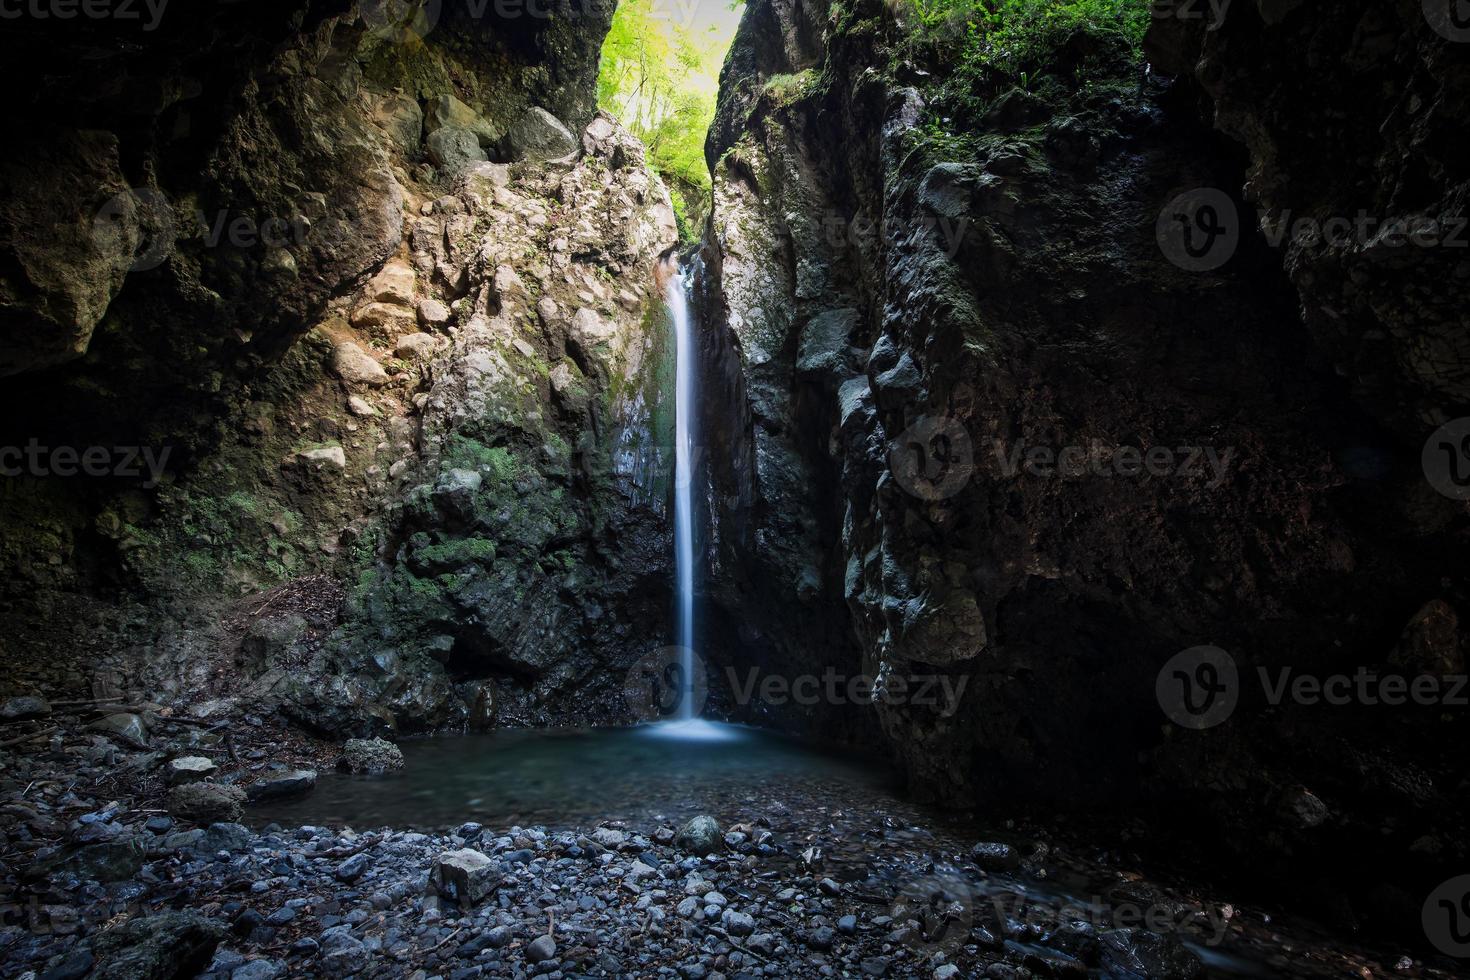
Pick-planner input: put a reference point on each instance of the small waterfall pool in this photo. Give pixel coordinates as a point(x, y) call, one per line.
point(564, 778)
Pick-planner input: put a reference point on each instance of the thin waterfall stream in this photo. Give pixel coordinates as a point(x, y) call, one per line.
point(684, 378)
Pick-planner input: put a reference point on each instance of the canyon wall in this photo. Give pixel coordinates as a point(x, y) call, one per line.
point(355, 311)
point(1003, 424)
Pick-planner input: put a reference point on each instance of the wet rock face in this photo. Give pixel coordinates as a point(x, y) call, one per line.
point(1367, 204)
point(1036, 453)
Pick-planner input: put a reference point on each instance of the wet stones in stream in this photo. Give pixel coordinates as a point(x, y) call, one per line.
point(762, 888)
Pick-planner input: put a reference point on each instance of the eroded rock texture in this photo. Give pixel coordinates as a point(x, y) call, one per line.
point(378, 384)
point(1037, 457)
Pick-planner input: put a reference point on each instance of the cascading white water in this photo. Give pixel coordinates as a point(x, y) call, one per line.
point(678, 301)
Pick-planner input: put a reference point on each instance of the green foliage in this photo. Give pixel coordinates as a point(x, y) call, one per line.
point(660, 78)
point(1015, 37)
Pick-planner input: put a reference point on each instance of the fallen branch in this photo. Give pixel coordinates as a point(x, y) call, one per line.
point(26, 738)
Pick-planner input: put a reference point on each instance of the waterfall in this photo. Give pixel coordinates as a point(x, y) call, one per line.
point(678, 301)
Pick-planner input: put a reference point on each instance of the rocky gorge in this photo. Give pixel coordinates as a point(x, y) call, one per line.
point(338, 414)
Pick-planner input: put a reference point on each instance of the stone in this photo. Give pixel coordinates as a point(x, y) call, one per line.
point(417, 346)
point(124, 727)
point(167, 944)
point(609, 838)
point(700, 836)
point(370, 755)
point(259, 970)
point(588, 331)
point(279, 785)
point(401, 118)
point(353, 365)
point(824, 344)
point(540, 949)
point(206, 802)
point(388, 319)
point(359, 406)
point(466, 876)
point(538, 136)
point(737, 923)
point(24, 708)
point(346, 956)
point(993, 856)
point(352, 869)
point(115, 860)
point(189, 769)
point(847, 925)
point(433, 313)
point(453, 149)
point(393, 284)
point(1139, 952)
point(324, 461)
point(446, 110)
point(223, 836)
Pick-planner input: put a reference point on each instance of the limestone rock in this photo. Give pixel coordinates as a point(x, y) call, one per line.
point(387, 319)
point(353, 365)
point(417, 346)
point(465, 876)
point(401, 118)
point(538, 136)
point(449, 111)
point(324, 461)
point(434, 314)
point(394, 283)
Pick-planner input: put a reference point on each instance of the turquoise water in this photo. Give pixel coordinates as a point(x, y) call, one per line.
point(575, 778)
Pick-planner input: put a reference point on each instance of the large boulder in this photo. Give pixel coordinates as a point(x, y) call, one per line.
point(448, 111)
point(154, 947)
point(401, 118)
point(370, 755)
point(453, 149)
point(538, 136)
point(207, 803)
point(355, 366)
